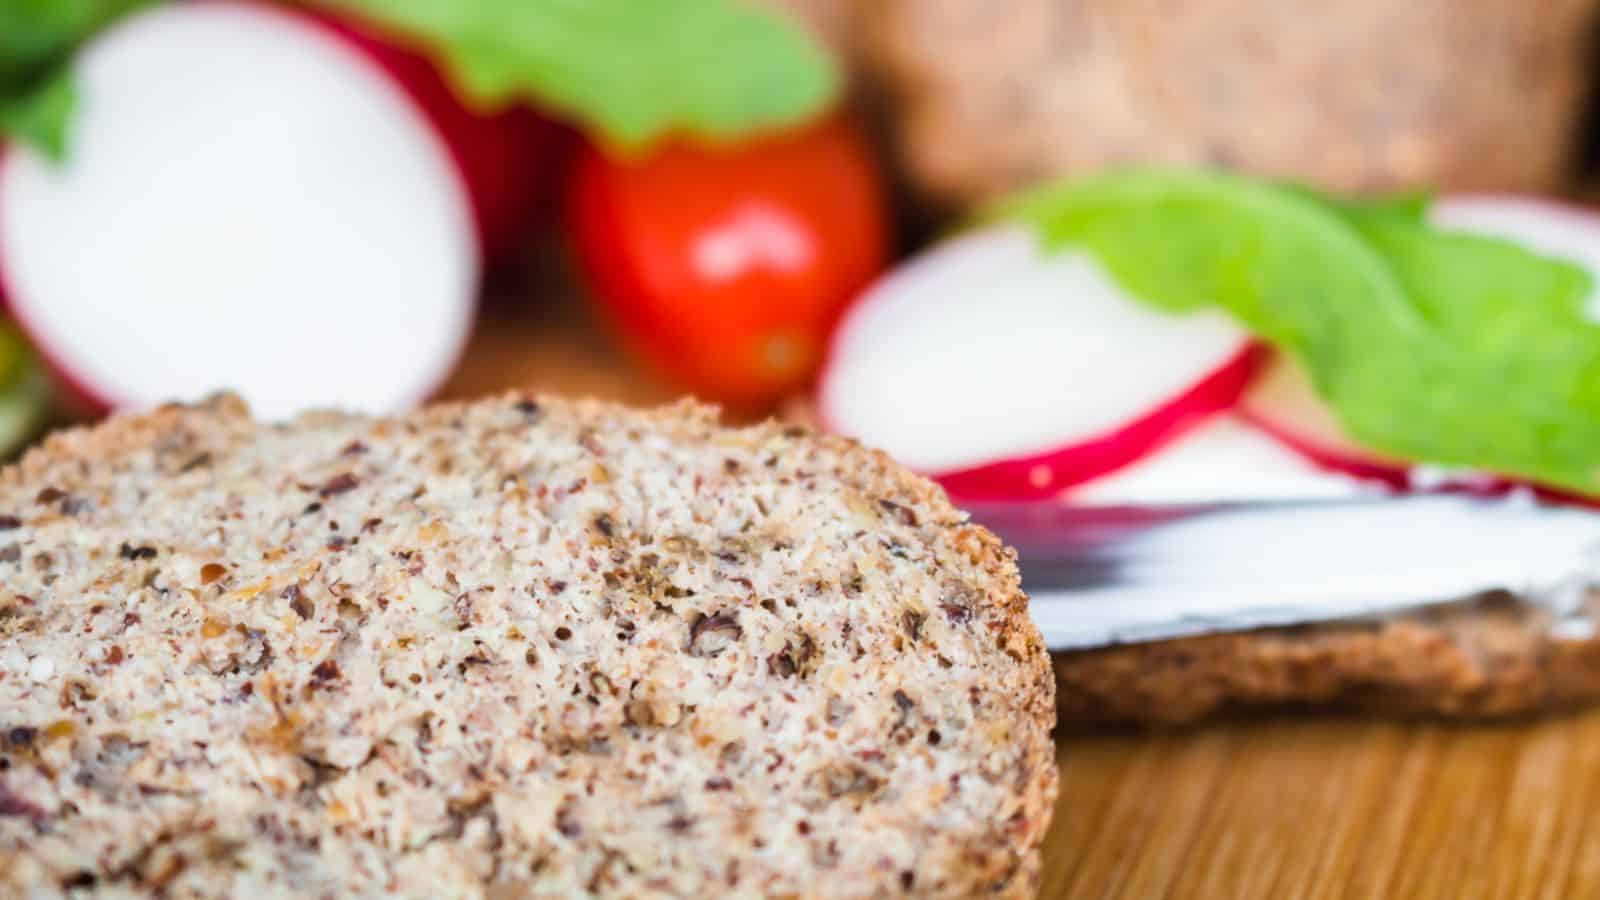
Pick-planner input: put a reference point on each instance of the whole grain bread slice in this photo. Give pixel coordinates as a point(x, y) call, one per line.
point(524, 647)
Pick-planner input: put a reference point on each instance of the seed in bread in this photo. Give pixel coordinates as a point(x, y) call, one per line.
point(525, 647)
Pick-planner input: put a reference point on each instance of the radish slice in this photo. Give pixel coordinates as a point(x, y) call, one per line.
point(1047, 473)
point(254, 200)
point(1284, 405)
point(1225, 459)
point(505, 158)
point(1012, 374)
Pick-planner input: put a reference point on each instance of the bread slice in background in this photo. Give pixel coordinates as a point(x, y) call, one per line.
point(523, 647)
point(1492, 656)
point(1486, 657)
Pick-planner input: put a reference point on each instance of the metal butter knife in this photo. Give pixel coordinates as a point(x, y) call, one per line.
point(1099, 575)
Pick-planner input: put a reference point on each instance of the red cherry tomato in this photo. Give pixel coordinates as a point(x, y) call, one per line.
point(725, 268)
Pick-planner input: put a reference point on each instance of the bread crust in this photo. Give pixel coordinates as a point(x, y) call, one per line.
point(519, 647)
point(1494, 656)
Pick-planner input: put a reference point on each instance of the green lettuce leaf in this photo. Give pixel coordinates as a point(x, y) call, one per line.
point(39, 116)
point(37, 40)
point(633, 70)
point(1433, 345)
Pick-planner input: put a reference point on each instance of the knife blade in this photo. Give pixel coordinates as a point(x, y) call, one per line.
point(1101, 575)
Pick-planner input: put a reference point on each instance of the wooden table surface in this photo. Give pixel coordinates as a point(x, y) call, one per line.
point(1299, 806)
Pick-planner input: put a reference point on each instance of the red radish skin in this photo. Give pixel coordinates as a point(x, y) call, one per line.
point(1007, 372)
point(1392, 476)
point(1283, 404)
point(1047, 474)
point(436, 189)
point(73, 396)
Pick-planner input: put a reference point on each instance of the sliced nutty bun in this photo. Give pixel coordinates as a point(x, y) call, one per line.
point(519, 648)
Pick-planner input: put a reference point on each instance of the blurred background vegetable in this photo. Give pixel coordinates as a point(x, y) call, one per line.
point(37, 41)
point(1359, 95)
point(726, 268)
point(298, 201)
point(1010, 373)
point(307, 201)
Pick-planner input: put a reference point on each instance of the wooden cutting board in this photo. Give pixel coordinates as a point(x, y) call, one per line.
point(1268, 809)
point(1330, 807)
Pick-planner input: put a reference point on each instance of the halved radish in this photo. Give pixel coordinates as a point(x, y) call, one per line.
point(1011, 373)
point(263, 200)
point(1283, 404)
point(1225, 459)
point(506, 158)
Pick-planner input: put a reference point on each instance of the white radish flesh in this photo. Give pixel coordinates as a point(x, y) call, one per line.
point(987, 352)
point(249, 203)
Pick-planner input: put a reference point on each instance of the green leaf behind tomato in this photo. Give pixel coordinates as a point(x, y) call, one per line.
point(633, 70)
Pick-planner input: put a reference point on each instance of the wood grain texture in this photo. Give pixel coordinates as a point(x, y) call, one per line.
point(1320, 807)
point(1323, 808)
point(552, 343)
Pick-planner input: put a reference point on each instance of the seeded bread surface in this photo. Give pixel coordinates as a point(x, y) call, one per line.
point(520, 648)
